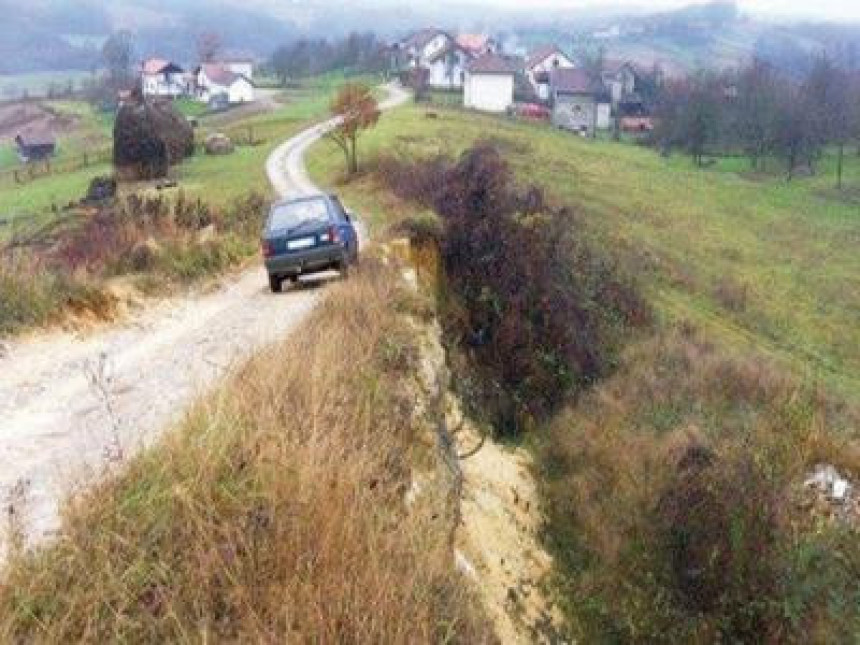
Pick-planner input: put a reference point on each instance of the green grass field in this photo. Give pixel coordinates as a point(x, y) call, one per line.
point(759, 265)
point(216, 179)
point(190, 107)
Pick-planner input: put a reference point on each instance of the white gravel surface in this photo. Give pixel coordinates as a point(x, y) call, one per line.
point(72, 405)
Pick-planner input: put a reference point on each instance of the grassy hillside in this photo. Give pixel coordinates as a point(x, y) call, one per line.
point(759, 264)
point(673, 490)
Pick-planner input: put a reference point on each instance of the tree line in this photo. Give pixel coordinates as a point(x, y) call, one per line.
point(357, 53)
point(763, 114)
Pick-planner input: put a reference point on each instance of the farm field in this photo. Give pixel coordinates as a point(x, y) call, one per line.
point(758, 264)
point(78, 126)
point(217, 179)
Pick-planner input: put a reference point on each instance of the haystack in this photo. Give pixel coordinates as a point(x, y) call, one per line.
point(149, 137)
point(218, 144)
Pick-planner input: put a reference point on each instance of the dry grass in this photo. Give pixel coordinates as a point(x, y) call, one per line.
point(64, 269)
point(274, 513)
point(671, 495)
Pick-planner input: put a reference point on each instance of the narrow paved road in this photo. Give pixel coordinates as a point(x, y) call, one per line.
point(70, 405)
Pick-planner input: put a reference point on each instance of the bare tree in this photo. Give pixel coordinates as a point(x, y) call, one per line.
point(829, 87)
point(758, 103)
point(796, 134)
point(118, 54)
point(699, 118)
point(208, 46)
point(358, 111)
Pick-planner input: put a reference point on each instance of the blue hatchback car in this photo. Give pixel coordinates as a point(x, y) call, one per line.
point(308, 235)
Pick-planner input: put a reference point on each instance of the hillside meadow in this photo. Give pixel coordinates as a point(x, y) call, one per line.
point(756, 263)
point(673, 488)
point(217, 180)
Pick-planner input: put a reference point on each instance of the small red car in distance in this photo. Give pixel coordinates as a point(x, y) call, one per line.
point(534, 111)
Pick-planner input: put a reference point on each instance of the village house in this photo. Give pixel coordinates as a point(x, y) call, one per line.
point(580, 103)
point(217, 84)
point(159, 77)
point(489, 84)
point(619, 77)
point(477, 45)
point(242, 64)
point(447, 68)
point(35, 145)
point(419, 49)
point(540, 63)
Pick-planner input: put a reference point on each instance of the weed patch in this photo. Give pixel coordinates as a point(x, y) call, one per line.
point(173, 240)
point(671, 496)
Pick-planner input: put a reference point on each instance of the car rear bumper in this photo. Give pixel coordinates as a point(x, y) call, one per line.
point(308, 261)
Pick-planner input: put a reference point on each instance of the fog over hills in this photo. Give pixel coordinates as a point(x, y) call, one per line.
point(56, 34)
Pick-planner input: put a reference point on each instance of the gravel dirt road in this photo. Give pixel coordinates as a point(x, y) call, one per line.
point(71, 405)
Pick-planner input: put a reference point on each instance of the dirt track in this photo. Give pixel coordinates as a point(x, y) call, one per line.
point(71, 405)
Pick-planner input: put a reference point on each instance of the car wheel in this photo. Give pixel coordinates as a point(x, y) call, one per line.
point(276, 284)
point(343, 269)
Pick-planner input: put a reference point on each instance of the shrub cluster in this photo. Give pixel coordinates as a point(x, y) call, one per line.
point(675, 503)
point(536, 307)
point(171, 238)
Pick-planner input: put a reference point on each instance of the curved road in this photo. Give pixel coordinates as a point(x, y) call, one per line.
point(73, 407)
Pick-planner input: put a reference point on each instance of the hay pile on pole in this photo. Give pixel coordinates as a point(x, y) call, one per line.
point(149, 137)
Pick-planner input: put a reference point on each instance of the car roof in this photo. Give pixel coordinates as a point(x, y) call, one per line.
point(303, 198)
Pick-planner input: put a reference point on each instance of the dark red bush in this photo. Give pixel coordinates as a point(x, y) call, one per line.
point(537, 309)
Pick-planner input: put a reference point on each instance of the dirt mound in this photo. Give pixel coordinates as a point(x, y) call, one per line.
point(25, 116)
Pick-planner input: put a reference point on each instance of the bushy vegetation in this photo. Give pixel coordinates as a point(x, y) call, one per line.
point(538, 310)
point(356, 53)
point(675, 503)
point(762, 113)
point(274, 512)
point(169, 239)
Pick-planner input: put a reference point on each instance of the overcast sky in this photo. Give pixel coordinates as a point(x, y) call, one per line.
point(835, 10)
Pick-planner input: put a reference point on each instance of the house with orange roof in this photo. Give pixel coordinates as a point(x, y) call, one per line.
point(160, 77)
point(477, 44)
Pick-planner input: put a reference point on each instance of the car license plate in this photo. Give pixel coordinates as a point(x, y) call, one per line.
point(303, 243)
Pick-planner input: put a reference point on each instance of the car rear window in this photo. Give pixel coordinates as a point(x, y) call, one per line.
point(292, 214)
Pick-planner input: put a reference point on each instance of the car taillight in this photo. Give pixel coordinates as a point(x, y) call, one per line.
point(333, 235)
point(267, 248)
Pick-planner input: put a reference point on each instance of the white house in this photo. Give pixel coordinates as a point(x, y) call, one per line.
point(619, 77)
point(489, 84)
point(447, 69)
point(425, 45)
point(539, 65)
point(243, 65)
point(214, 81)
point(159, 77)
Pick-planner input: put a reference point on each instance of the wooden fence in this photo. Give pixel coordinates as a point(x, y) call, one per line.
point(26, 173)
point(241, 135)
